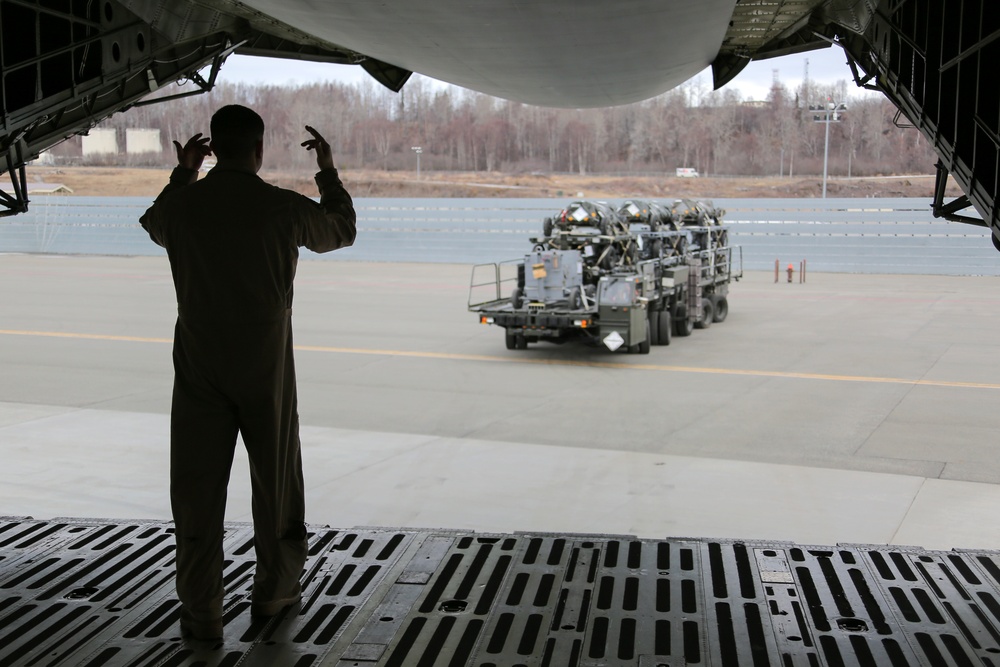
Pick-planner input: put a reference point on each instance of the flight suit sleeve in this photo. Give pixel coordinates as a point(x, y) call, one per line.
point(153, 219)
point(332, 224)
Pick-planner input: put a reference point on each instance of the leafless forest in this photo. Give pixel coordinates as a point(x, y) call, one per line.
point(716, 133)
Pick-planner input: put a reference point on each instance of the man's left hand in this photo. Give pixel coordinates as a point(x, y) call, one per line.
point(324, 156)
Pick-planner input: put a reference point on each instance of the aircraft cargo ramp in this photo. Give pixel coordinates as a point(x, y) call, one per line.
point(93, 593)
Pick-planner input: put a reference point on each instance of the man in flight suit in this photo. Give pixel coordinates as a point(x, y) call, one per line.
point(233, 243)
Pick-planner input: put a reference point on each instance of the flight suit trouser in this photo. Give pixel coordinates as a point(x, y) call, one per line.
point(230, 379)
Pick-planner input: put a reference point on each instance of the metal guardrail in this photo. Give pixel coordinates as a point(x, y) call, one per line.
point(501, 273)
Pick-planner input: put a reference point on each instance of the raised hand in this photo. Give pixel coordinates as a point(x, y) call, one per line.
point(324, 157)
point(193, 153)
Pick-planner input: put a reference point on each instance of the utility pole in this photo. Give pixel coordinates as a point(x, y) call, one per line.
point(827, 113)
point(418, 150)
point(805, 82)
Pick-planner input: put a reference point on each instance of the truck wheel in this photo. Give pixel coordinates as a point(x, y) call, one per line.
point(721, 309)
point(520, 342)
point(516, 299)
point(707, 315)
point(663, 319)
point(682, 323)
point(654, 327)
point(644, 343)
point(547, 227)
point(511, 340)
point(610, 259)
point(575, 300)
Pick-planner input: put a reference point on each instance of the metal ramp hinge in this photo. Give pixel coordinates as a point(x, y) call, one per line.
point(15, 201)
point(949, 210)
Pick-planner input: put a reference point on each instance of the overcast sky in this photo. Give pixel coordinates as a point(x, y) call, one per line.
point(826, 66)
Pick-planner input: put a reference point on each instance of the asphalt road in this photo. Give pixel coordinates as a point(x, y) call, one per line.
point(881, 374)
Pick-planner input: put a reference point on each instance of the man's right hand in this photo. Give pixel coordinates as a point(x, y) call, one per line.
point(324, 156)
point(193, 153)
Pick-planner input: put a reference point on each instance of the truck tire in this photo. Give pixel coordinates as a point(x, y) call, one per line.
point(663, 318)
point(575, 299)
point(654, 327)
point(682, 323)
point(707, 314)
point(547, 227)
point(643, 347)
point(721, 309)
point(520, 342)
point(516, 299)
point(511, 340)
point(610, 259)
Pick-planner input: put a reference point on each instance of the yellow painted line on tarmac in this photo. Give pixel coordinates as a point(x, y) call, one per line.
point(451, 356)
point(649, 367)
point(84, 336)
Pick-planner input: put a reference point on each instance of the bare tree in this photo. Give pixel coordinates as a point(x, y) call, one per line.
point(715, 132)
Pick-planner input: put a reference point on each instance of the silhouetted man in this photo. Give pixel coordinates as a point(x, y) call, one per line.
point(233, 242)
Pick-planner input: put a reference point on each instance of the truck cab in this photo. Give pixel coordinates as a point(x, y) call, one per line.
point(621, 310)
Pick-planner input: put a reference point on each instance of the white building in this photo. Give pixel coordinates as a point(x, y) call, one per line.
point(100, 142)
point(142, 141)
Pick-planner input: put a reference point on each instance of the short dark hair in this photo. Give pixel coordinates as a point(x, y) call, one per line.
point(235, 131)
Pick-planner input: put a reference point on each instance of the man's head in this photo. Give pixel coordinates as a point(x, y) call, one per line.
point(237, 135)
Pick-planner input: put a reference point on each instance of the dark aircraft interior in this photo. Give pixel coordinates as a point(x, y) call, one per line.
point(95, 589)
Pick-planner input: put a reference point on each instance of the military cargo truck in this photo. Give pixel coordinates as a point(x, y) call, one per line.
point(625, 279)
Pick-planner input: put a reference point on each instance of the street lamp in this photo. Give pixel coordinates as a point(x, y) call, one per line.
point(418, 150)
point(828, 113)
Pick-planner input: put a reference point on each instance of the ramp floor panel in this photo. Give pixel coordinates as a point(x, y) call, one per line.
point(100, 593)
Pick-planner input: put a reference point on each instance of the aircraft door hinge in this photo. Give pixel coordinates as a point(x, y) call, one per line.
point(949, 210)
point(16, 200)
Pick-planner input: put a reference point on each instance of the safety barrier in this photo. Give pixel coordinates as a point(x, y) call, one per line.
point(838, 235)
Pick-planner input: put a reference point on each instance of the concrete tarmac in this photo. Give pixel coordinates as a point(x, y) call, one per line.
point(851, 408)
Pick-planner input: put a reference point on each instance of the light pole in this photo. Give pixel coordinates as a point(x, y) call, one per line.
point(828, 113)
point(418, 150)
